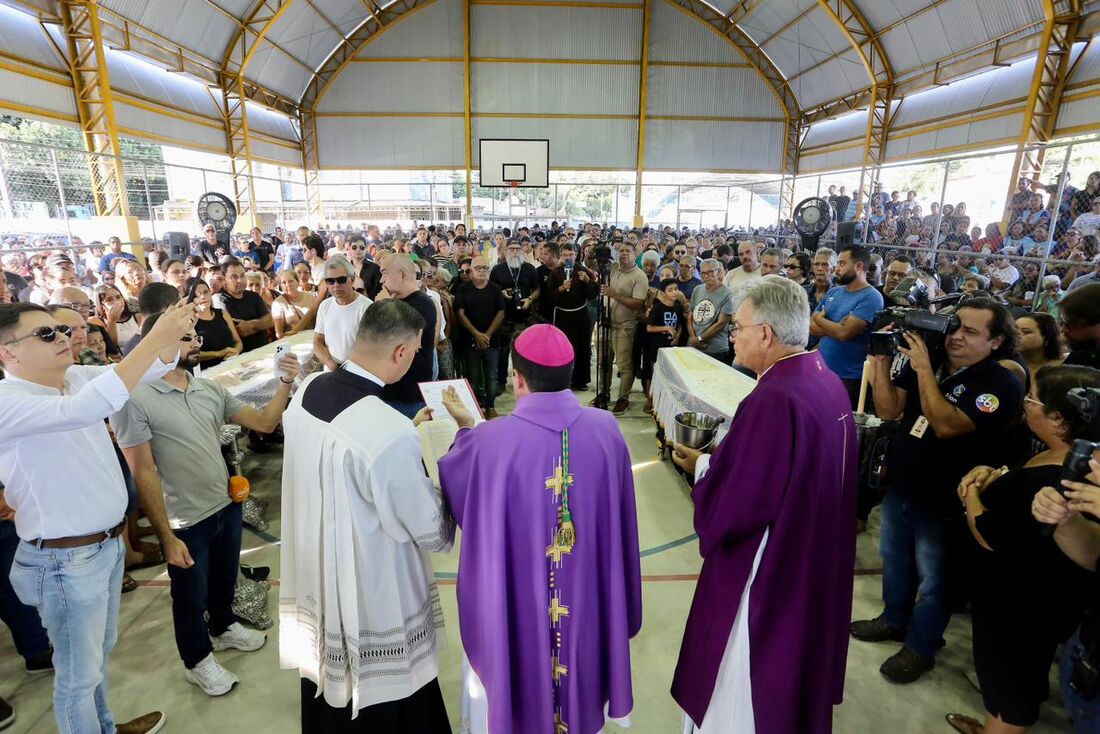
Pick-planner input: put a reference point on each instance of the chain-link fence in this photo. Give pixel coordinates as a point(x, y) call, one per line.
point(46, 191)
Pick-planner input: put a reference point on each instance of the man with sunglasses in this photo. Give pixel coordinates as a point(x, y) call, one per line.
point(63, 481)
point(338, 317)
point(169, 434)
point(369, 272)
point(209, 249)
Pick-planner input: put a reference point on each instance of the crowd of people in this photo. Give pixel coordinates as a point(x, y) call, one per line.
point(104, 348)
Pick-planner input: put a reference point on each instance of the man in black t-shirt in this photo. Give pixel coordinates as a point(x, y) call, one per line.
point(951, 418)
point(250, 314)
point(479, 310)
point(1081, 325)
point(399, 281)
point(551, 259)
point(520, 285)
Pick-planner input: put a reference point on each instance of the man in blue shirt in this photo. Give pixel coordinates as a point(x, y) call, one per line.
point(844, 317)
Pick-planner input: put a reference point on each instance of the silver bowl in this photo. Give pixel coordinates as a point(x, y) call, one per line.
point(696, 430)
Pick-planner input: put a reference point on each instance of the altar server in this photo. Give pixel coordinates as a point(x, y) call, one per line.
point(359, 614)
point(549, 583)
point(774, 516)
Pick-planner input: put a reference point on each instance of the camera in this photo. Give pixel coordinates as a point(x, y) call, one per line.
point(910, 313)
point(602, 255)
point(1075, 467)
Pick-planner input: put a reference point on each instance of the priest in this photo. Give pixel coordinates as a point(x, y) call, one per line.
point(359, 614)
point(773, 511)
point(549, 579)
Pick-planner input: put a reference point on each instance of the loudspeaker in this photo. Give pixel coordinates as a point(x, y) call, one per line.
point(845, 235)
point(179, 244)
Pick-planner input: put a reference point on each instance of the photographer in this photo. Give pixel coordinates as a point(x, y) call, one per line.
point(1026, 595)
point(1079, 539)
point(519, 281)
point(951, 417)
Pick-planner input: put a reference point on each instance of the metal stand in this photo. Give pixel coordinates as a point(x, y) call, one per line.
point(603, 343)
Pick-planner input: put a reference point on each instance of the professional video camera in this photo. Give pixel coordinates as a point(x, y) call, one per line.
point(910, 311)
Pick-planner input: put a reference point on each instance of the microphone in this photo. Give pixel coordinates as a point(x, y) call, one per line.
point(568, 272)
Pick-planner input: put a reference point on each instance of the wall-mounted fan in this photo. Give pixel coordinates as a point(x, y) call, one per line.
point(218, 210)
point(811, 218)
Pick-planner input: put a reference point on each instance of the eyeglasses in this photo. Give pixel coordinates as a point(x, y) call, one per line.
point(197, 339)
point(481, 268)
point(737, 327)
point(463, 270)
point(79, 307)
point(1033, 401)
point(338, 280)
point(356, 247)
point(793, 266)
point(45, 333)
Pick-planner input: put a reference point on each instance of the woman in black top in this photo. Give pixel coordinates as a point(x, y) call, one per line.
point(213, 325)
point(1027, 596)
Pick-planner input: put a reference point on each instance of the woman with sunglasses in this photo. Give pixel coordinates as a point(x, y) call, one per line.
point(369, 278)
point(213, 326)
point(290, 307)
point(113, 313)
point(798, 268)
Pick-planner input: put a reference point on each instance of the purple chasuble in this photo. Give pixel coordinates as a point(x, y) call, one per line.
point(789, 464)
point(520, 606)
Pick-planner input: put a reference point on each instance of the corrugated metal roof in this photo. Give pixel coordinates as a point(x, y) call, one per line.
point(278, 72)
point(22, 36)
point(185, 132)
point(592, 32)
point(680, 38)
point(191, 23)
point(552, 88)
point(982, 90)
point(1088, 68)
point(846, 127)
point(397, 87)
point(573, 143)
point(346, 14)
point(346, 142)
point(680, 145)
point(131, 74)
point(768, 17)
point(305, 34)
point(823, 82)
point(674, 90)
point(45, 96)
point(428, 34)
point(264, 120)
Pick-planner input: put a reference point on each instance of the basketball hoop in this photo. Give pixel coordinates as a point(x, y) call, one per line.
point(513, 184)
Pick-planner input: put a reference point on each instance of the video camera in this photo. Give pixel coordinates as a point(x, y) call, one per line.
point(910, 312)
point(1075, 467)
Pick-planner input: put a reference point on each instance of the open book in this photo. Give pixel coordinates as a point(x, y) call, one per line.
point(437, 435)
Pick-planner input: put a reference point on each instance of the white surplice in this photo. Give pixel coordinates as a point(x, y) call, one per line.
point(359, 612)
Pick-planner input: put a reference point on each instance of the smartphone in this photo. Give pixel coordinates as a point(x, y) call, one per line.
point(280, 350)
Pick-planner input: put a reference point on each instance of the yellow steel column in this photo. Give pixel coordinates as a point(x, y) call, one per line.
point(1061, 21)
point(311, 164)
point(469, 219)
point(95, 105)
point(240, 150)
point(647, 14)
point(792, 140)
point(874, 143)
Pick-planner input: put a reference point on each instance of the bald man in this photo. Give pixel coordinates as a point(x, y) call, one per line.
point(399, 281)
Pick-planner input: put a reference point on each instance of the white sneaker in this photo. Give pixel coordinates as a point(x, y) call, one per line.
point(239, 637)
point(211, 677)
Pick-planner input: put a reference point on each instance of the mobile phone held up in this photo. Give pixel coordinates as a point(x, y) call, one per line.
point(280, 350)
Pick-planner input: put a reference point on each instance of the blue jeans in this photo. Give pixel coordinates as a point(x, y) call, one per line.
point(1084, 713)
point(481, 366)
point(76, 592)
point(215, 547)
point(24, 622)
point(915, 573)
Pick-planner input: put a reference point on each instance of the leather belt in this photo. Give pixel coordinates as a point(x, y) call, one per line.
point(78, 540)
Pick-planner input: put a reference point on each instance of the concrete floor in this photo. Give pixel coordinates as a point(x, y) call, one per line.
point(146, 673)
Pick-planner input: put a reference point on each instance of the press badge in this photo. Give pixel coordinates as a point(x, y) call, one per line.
point(919, 427)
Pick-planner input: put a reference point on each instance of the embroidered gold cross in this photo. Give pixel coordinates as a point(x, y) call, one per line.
point(557, 610)
point(558, 668)
point(560, 726)
point(555, 551)
point(558, 481)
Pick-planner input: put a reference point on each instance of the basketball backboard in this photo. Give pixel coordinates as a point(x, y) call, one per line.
point(519, 163)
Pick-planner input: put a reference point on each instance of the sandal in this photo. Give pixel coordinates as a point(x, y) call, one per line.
point(154, 557)
point(128, 583)
point(964, 724)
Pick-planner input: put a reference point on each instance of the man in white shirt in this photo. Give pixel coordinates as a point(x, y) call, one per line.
point(359, 615)
point(64, 482)
point(1002, 275)
point(1089, 222)
point(338, 317)
point(750, 266)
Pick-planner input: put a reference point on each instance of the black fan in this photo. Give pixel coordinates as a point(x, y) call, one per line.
point(811, 218)
point(218, 210)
